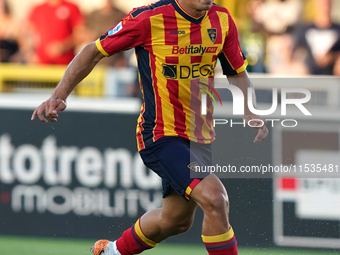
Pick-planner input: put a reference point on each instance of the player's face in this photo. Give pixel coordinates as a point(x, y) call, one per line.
point(196, 7)
point(202, 5)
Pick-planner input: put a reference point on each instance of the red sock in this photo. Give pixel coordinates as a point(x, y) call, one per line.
point(133, 241)
point(224, 244)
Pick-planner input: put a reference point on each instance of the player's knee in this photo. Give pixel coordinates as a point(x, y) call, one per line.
point(215, 201)
point(183, 227)
point(178, 226)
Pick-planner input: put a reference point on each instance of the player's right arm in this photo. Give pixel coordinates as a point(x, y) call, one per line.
point(76, 71)
point(128, 33)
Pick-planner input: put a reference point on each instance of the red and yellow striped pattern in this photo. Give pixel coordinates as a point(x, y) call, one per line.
point(174, 51)
point(141, 237)
point(191, 187)
point(221, 244)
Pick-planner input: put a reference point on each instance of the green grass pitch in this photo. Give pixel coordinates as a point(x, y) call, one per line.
point(10, 245)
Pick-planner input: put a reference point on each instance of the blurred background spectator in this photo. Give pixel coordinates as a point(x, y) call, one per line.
point(9, 34)
point(56, 26)
point(280, 57)
point(121, 81)
point(292, 37)
point(275, 16)
point(274, 20)
point(99, 22)
point(320, 40)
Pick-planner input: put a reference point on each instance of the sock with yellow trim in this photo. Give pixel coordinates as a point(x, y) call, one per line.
point(133, 241)
point(224, 244)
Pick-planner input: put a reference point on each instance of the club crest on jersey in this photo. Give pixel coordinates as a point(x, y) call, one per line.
point(116, 29)
point(212, 32)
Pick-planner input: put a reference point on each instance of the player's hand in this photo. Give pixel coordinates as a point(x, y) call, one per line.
point(51, 107)
point(259, 125)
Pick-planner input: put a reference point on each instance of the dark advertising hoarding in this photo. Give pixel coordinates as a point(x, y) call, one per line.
point(69, 178)
point(82, 177)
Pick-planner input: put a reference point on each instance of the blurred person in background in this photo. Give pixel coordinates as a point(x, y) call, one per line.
point(280, 58)
point(320, 40)
point(9, 34)
point(100, 21)
point(271, 22)
point(55, 26)
point(275, 16)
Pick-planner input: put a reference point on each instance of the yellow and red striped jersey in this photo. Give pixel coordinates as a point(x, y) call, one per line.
point(175, 50)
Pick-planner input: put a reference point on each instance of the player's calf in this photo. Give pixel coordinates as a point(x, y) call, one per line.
point(217, 234)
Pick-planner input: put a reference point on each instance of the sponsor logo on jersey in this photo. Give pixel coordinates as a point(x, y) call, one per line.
point(116, 29)
point(212, 32)
point(193, 50)
point(177, 32)
point(170, 71)
point(187, 71)
point(211, 50)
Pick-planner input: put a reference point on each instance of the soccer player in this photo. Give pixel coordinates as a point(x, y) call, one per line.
point(176, 42)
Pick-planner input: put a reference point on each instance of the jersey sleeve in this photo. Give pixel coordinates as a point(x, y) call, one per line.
point(128, 33)
point(232, 58)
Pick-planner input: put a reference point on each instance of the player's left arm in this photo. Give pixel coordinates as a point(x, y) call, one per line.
point(242, 81)
point(234, 65)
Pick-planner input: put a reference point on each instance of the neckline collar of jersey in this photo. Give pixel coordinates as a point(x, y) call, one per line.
point(186, 15)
